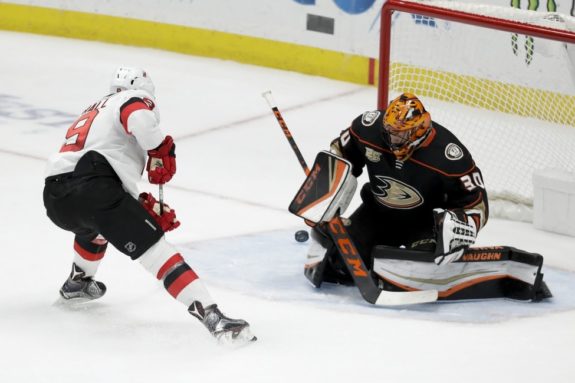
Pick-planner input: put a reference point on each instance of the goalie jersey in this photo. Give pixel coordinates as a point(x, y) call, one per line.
point(439, 174)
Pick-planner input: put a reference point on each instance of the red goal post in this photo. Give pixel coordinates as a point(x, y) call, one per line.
point(512, 104)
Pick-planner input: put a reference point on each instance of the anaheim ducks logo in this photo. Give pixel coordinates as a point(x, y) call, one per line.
point(396, 194)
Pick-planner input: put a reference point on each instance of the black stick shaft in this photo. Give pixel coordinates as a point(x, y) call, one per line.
point(161, 192)
point(268, 96)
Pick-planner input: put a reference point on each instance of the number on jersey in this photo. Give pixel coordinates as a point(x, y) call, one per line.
point(471, 182)
point(78, 132)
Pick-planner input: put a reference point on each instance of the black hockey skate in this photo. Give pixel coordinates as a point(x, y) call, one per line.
point(224, 329)
point(79, 288)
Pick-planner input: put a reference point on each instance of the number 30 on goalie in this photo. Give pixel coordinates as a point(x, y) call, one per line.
point(472, 181)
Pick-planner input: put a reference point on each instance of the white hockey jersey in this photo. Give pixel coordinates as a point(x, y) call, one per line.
point(122, 127)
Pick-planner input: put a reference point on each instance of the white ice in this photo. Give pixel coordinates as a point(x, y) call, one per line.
point(236, 177)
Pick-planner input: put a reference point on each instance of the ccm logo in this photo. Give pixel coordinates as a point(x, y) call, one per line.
point(347, 249)
point(309, 182)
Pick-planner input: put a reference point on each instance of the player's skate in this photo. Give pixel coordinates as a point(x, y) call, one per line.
point(224, 329)
point(79, 288)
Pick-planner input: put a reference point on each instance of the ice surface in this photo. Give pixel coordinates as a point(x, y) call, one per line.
point(236, 176)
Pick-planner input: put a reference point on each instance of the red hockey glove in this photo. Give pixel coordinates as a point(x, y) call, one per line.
point(167, 220)
point(161, 164)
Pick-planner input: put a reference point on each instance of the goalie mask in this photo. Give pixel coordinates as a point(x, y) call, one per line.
point(131, 78)
point(406, 125)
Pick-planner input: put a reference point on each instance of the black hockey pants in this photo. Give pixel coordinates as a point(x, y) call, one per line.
point(91, 201)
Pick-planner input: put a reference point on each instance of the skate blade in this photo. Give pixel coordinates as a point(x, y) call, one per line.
point(233, 338)
point(73, 303)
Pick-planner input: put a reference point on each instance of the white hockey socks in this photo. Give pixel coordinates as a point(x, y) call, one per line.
point(164, 262)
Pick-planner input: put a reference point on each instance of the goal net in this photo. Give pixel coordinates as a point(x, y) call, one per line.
point(502, 79)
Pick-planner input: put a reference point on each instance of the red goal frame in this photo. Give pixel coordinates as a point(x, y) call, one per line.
point(391, 6)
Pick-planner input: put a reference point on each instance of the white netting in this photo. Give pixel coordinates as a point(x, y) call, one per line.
point(552, 20)
point(509, 97)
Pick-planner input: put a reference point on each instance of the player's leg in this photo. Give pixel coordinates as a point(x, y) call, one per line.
point(62, 207)
point(131, 229)
point(324, 264)
point(88, 253)
point(321, 256)
point(164, 262)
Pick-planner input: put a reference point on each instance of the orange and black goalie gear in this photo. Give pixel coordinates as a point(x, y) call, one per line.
point(406, 114)
point(326, 191)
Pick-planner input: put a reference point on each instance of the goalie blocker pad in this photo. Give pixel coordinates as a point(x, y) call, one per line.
point(327, 190)
point(482, 272)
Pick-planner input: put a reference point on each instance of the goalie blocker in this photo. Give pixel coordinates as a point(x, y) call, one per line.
point(402, 276)
point(327, 191)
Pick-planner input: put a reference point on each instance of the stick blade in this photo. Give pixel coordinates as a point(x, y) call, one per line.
point(267, 95)
point(400, 298)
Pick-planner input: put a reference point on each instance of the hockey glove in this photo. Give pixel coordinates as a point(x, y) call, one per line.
point(455, 232)
point(161, 164)
point(167, 220)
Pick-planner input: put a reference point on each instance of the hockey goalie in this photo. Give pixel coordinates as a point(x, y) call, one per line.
point(410, 239)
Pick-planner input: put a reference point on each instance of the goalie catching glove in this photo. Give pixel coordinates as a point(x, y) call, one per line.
point(455, 231)
point(167, 219)
point(161, 164)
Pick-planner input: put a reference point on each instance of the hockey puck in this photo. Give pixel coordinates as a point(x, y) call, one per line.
point(301, 236)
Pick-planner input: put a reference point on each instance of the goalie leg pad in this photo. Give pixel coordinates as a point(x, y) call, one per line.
point(486, 272)
point(316, 257)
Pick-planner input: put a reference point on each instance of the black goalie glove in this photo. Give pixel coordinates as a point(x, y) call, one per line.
point(455, 231)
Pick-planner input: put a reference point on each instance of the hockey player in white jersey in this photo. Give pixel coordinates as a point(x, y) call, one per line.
point(91, 190)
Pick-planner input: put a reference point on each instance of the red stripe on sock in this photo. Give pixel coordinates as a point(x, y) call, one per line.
point(88, 255)
point(174, 259)
point(183, 280)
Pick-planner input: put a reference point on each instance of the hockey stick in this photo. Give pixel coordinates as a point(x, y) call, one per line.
point(161, 198)
point(347, 250)
point(268, 96)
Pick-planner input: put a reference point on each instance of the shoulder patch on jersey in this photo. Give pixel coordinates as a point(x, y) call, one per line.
point(453, 152)
point(372, 155)
point(396, 194)
point(369, 118)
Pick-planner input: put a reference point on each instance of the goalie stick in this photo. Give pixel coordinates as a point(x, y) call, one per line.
point(346, 248)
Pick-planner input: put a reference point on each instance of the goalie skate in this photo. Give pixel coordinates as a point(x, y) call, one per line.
point(224, 329)
point(79, 288)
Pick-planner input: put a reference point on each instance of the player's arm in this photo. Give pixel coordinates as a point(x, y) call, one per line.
point(139, 117)
point(346, 147)
point(470, 197)
point(466, 211)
